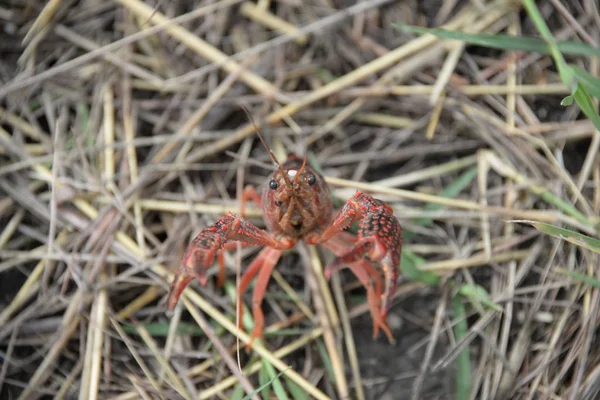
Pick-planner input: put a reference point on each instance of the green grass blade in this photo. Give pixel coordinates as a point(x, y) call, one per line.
point(297, 392)
point(450, 191)
point(463, 361)
point(325, 75)
point(588, 280)
point(231, 290)
point(570, 236)
point(326, 360)
point(410, 261)
point(477, 295)
point(585, 103)
point(264, 380)
point(238, 393)
point(83, 114)
point(262, 387)
point(590, 82)
point(311, 159)
point(410, 268)
point(562, 205)
point(506, 42)
point(538, 19)
point(278, 388)
point(569, 75)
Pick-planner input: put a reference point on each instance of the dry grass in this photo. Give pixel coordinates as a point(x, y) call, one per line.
point(121, 135)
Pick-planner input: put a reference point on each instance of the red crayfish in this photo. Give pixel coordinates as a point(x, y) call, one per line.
point(297, 205)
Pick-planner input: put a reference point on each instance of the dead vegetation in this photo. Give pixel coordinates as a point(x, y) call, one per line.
point(121, 135)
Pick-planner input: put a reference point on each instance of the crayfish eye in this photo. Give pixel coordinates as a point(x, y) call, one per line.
point(312, 180)
point(273, 184)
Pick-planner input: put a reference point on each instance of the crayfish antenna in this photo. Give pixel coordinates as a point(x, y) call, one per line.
point(264, 143)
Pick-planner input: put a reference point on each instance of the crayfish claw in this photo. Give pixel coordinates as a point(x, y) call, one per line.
point(179, 283)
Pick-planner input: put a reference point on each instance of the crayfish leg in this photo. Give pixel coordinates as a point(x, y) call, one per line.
point(262, 265)
point(260, 289)
point(372, 281)
point(250, 273)
point(249, 194)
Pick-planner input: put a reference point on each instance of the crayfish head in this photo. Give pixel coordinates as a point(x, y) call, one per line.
point(296, 200)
